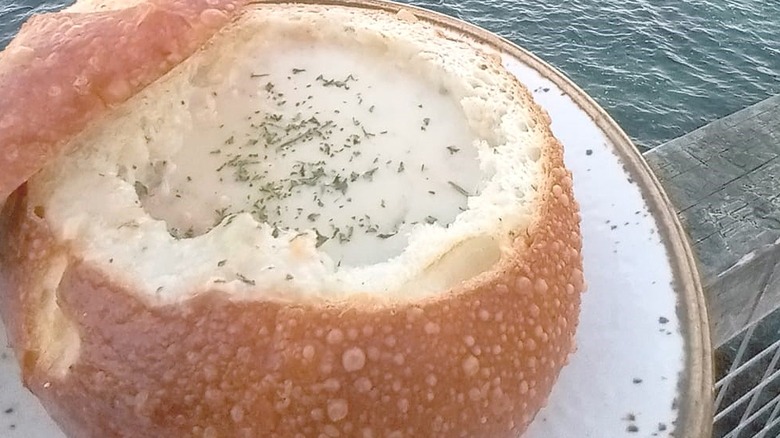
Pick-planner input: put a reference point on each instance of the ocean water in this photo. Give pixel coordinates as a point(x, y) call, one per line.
point(661, 68)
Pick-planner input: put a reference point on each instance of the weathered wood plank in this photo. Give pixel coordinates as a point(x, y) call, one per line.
point(724, 179)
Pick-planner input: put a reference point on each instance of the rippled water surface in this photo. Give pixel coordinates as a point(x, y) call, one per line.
point(660, 67)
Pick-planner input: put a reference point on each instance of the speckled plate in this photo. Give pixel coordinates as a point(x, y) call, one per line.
point(643, 364)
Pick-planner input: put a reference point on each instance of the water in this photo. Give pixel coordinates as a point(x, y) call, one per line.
point(661, 68)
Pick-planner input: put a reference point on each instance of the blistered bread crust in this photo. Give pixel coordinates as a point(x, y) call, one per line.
point(478, 360)
point(475, 361)
point(50, 51)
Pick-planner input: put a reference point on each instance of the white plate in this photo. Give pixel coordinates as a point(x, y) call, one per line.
point(625, 376)
point(642, 368)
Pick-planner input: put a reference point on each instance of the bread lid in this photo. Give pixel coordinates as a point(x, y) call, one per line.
point(67, 69)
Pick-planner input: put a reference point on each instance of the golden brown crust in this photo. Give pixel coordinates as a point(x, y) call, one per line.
point(477, 362)
point(83, 64)
point(30, 251)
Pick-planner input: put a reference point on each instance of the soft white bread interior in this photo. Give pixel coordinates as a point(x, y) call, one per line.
point(433, 154)
point(326, 221)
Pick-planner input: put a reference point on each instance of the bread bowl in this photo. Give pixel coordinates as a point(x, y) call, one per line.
point(141, 306)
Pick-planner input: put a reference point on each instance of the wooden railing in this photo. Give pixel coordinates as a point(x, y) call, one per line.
point(724, 180)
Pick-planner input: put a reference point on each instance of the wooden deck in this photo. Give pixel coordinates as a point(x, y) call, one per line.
point(724, 180)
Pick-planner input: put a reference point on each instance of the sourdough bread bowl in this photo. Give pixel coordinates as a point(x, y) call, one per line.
point(280, 220)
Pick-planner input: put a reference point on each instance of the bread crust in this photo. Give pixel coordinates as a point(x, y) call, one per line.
point(477, 360)
point(84, 64)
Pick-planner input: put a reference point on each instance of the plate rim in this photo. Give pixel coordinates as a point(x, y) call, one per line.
point(695, 406)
